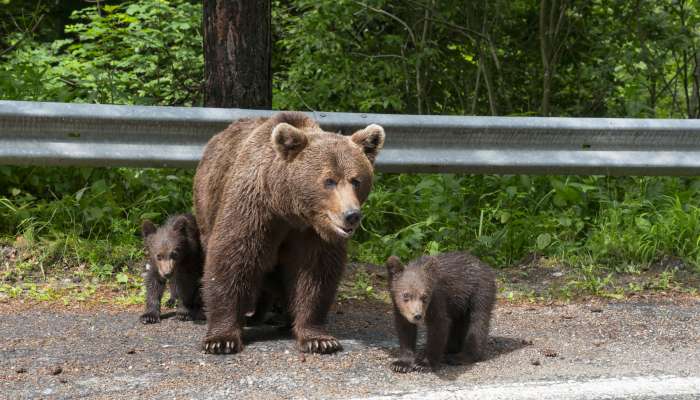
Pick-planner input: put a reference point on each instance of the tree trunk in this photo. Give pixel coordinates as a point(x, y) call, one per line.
point(237, 54)
point(695, 99)
point(553, 29)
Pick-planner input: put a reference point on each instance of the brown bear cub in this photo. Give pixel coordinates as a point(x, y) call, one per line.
point(175, 255)
point(453, 294)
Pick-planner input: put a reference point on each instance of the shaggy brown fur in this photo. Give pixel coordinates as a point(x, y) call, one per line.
point(453, 293)
point(279, 194)
point(176, 255)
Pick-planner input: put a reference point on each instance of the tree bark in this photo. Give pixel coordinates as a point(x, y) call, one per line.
point(545, 50)
point(237, 54)
point(553, 29)
point(695, 99)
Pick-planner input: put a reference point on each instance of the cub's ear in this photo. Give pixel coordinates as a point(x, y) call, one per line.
point(431, 264)
point(288, 141)
point(394, 266)
point(180, 224)
point(371, 139)
point(147, 229)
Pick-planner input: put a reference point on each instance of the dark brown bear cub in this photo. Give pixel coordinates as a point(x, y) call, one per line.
point(453, 294)
point(175, 254)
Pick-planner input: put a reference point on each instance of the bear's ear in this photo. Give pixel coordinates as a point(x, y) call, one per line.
point(147, 229)
point(394, 266)
point(288, 141)
point(371, 139)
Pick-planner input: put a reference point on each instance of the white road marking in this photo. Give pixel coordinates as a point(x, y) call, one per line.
point(604, 388)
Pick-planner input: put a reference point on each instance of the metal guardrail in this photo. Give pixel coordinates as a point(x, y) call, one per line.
point(35, 133)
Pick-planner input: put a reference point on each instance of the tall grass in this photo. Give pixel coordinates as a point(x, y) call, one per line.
point(91, 216)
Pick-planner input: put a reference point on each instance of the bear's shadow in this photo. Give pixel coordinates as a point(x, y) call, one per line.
point(375, 329)
point(497, 346)
point(173, 314)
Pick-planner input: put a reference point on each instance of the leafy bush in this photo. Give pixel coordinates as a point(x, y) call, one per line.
point(139, 52)
point(607, 221)
point(360, 56)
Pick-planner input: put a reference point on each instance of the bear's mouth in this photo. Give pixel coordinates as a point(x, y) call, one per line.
point(343, 232)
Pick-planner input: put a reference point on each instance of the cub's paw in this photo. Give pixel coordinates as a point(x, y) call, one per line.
point(320, 344)
point(402, 366)
point(150, 318)
point(223, 344)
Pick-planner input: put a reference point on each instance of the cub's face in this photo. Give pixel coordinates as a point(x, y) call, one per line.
point(332, 175)
point(411, 289)
point(164, 255)
point(164, 247)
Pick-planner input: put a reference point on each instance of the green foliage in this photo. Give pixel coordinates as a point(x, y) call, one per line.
point(89, 216)
point(89, 202)
point(617, 59)
point(609, 222)
point(328, 59)
point(138, 52)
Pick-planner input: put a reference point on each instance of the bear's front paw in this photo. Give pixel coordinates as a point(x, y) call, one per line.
point(223, 344)
point(150, 318)
point(402, 366)
point(320, 344)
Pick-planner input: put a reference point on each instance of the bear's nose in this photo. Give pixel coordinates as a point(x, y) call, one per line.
point(352, 217)
point(417, 317)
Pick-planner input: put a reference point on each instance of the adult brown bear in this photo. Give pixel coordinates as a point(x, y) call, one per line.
point(279, 196)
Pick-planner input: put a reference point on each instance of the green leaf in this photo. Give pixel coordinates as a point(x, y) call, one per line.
point(543, 240)
point(122, 278)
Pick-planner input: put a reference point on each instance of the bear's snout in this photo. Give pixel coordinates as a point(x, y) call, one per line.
point(352, 217)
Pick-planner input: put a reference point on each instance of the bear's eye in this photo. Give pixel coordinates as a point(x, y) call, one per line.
point(355, 183)
point(406, 297)
point(329, 183)
point(173, 254)
point(159, 257)
point(424, 298)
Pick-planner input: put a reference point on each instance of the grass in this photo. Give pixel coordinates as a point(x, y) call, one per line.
point(601, 232)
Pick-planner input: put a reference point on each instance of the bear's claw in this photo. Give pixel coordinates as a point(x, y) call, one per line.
point(402, 366)
point(422, 366)
point(184, 315)
point(324, 345)
point(223, 346)
point(150, 318)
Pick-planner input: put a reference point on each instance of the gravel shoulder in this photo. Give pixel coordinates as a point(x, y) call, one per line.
point(103, 351)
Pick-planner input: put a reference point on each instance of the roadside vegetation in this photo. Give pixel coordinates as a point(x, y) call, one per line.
point(582, 235)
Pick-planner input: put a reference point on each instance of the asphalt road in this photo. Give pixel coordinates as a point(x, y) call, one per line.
point(633, 350)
